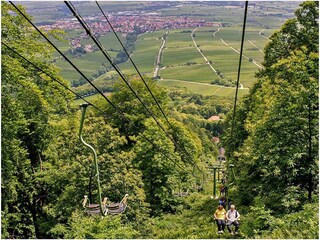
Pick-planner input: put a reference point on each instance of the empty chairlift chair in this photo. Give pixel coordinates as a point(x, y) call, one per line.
point(110, 208)
point(102, 207)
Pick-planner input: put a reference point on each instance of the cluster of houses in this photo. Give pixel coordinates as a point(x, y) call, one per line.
point(126, 23)
point(76, 43)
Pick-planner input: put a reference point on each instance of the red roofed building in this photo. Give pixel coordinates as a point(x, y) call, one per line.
point(214, 118)
point(216, 139)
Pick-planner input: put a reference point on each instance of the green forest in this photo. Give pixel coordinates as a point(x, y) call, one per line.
point(273, 146)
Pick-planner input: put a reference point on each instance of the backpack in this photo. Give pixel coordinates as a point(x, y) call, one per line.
point(236, 213)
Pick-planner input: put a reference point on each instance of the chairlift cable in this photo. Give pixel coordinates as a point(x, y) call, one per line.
point(77, 69)
point(48, 74)
point(57, 49)
point(97, 42)
point(69, 89)
point(236, 96)
point(108, 57)
point(239, 70)
point(134, 65)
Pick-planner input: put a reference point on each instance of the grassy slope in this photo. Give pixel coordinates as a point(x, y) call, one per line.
point(194, 220)
point(88, 63)
point(180, 49)
point(202, 89)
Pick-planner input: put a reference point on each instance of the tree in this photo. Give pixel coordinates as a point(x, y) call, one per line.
point(128, 103)
point(296, 33)
point(30, 100)
point(156, 167)
point(153, 162)
point(275, 141)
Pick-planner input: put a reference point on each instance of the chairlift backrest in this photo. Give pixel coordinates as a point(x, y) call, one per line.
point(221, 151)
point(221, 158)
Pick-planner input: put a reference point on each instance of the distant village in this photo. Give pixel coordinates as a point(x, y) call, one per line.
point(129, 22)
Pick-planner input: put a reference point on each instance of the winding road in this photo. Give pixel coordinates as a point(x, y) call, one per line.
point(158, 61)
point(260, 33)
point(204, 57)
point(253, 61)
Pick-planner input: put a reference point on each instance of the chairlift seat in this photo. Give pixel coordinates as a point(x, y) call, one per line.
point(112, 208)
point(94, 209)
point(116, 208)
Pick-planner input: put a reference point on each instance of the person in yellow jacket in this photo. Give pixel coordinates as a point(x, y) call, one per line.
point(220, 217)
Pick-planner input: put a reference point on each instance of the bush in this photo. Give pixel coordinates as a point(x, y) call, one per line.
point(256, 221)
point(85, 227)
point(260, 223)
point(194, 220)
point(302, 225)
point(191, 63)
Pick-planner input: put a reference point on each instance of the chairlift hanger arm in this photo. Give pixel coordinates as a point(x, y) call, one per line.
point(84, 108)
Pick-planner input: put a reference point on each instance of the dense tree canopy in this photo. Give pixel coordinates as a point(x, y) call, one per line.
point(46, 170)
point(275, 145)
point(28, 106)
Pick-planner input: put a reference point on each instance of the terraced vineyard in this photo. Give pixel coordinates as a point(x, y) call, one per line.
point(203, 60)
point(182, 65)
point(90, 62)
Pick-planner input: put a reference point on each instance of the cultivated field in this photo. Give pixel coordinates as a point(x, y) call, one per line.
point(200, 88)
point(186, 63)
point(220, 46)
point(181, 59)
point(88, 63)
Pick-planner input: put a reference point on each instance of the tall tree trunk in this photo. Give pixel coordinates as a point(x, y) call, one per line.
point(34, 217)
point(310, 183)
point(310, 187)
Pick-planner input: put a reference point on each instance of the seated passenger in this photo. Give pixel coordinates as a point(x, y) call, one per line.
point(233, 218)
point(220, 216)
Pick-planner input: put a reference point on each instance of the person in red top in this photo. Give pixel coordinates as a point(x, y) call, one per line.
point(220, 217)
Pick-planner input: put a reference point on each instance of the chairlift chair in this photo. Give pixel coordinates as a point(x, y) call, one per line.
point(102, 207)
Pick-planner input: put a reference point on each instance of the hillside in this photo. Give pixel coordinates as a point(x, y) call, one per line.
point(181, 58)
point(153, 157)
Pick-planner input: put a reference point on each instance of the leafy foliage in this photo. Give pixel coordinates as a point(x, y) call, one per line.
point(46, 171)
point(275, 145)
point(28, 106)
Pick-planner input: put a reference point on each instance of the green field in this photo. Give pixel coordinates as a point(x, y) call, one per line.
point(180, 50)
point(89, 98)
point(144, 56)
point(180, 58)
point(181, 63)
point(88, 63)
point(202, 88)
point(194, 73)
